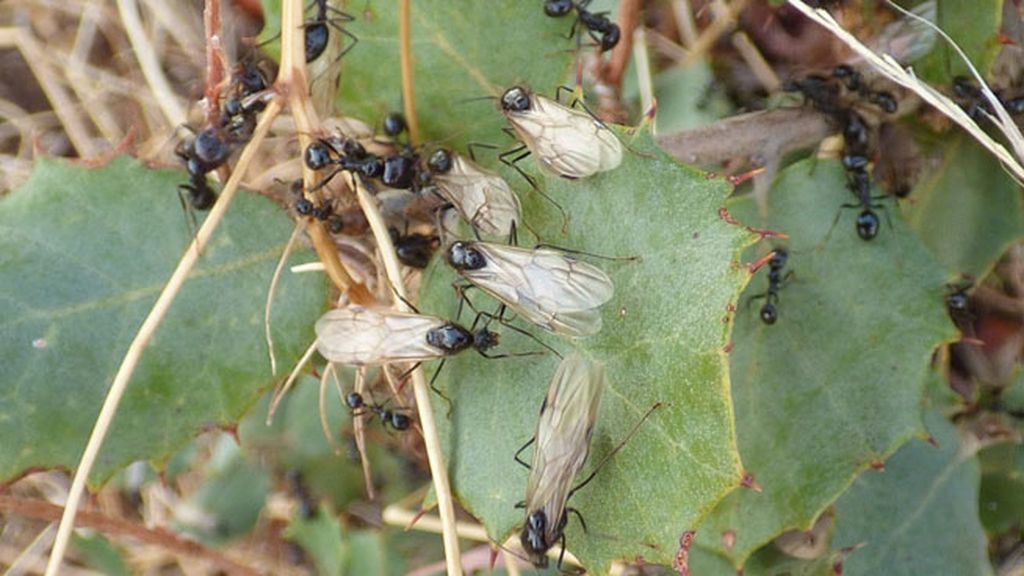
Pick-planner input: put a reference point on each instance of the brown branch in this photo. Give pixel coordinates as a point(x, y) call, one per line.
point(117, 527)
point(214, 61)
point(629, 12)
point(758, 136)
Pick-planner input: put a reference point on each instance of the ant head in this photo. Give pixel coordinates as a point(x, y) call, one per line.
point(610, 37)
point(557, 8)
point(252, 80)
point(440, 162)
point(843, 71)
point(394, 124)
point(462, 256)
point(515, 99)
point(317, 156)
point(399, 421)
point(532, 538)
point(886, 101)
point(867, 225)
point(768, 314)
point(964, 87)
point(957, 301)
point(304, 207)
point(354, 400)
point(484, 340)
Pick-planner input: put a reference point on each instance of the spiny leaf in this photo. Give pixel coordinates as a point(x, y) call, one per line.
point(663, 340)
point(919, 515)
point(836, 384)
point(84, 255)
point(967, 210)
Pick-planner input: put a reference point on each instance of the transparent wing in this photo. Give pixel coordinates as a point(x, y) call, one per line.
point(544, 286)
point(564, 141)
point(365, 337)
point(482, 197)
point(563, 437)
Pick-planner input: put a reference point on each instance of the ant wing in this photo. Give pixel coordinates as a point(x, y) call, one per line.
point(482, 197)
point(547, 287)
point(566, 142)
point(366, 337)
point(563, 437)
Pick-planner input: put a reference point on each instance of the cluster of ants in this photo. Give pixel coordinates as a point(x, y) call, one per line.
point(831, 96)
point(547, 287)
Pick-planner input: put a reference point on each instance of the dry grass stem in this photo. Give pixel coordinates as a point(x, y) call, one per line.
point(145, 335)
point(887, 66)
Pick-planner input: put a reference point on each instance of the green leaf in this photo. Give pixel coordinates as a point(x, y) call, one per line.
point(295, 442)
point(321, 537)
point(974, 26)
point(83, 257)
point(460, 50)
point(663, 339)
point(836, 384)
point(231, 498)
point(687, 99)
point(919, 515)
point(768, 561)
point(967, 210)
point(1002, 487)
point(98, 553)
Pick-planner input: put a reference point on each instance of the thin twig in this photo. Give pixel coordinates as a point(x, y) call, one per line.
point(150, 64)
point(396, 516)
point(299, 227)
point(757, 135)
point(145, 335)
point(275, 400)
point(435, 456)
point(214, 61)
point(110, 526)
point(359, 429)
point(405, 60)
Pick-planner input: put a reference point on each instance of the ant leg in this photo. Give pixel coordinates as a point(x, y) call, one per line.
point(471, 148)
point(520, 451)
point(433, 386)
point(561, 555)
point(578, 517)
point(351, 37)
point(756, 297)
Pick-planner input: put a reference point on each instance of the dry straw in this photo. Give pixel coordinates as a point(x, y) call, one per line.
point(887, 66)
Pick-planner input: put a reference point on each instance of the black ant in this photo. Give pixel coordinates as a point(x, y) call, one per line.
point(202, 154)
point(769, 313)
point(855, 161)
point(414, 250)
point(599, 27)
point(393, 418)
point(977, 106)
point(317, 33)
point(823, 91)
